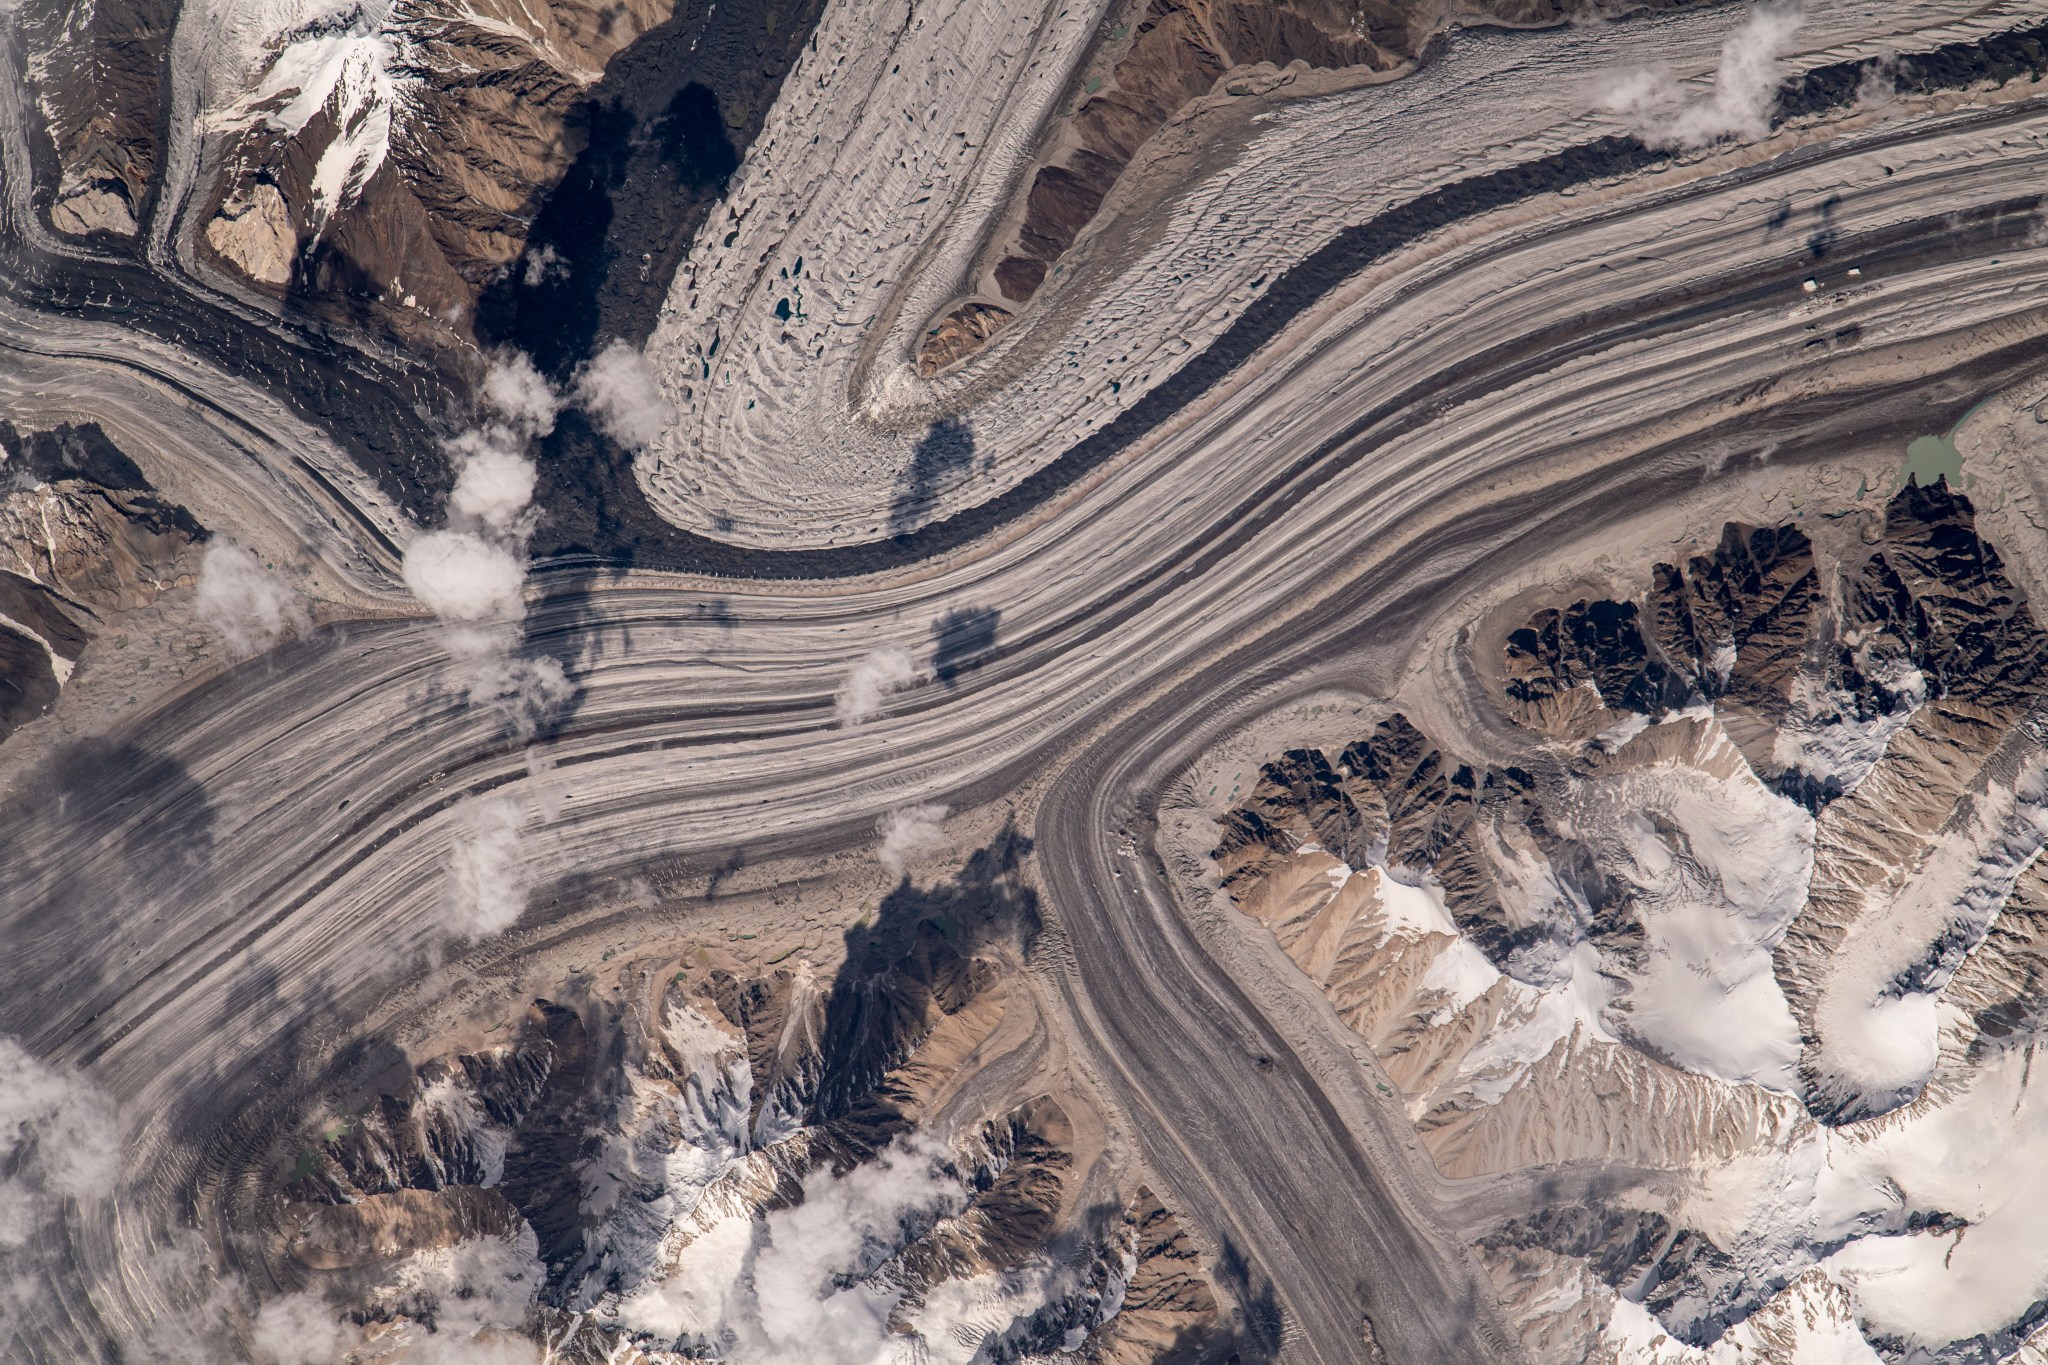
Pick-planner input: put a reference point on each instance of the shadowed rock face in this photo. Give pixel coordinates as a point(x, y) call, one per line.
point(1596, 643)
point(1735, 629)
point(1392, 797)
point(1733, 625)
point(605, 1134)
point(1883, 679)
point(1935, 596)
point(497, 207)
point(82, 536)
point(1926, 613)
point(437, 207)
point(1169, 1313)
point(1623, 1247)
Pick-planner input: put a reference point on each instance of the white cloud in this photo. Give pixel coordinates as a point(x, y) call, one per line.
point(477, 1294)
point(249, 606)
point(792, 1287)
point(299, 1329)
point(543, 265)
point(908, 832)
point(197, 1303)
point(529, 692)
point(962, 1317)
point(870, 680)
point(1979, 1159)
point(797, 1310)
point(487, 879)
point(59, 1139)
point(1880, 83)
point(472, 573)
point(1658, 110)
point(482, 1291)
point(621, 390)
point(516, 391)
point(799, 1285)
point(466, 579)
point(493, 483)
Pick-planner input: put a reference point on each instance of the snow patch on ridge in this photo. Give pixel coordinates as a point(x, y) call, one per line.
point(1979, 1160)
point(1879, 1017)
point(1825, 737)
point(1531, 1020)
point(1718, 867)
point(673, 1138)
point(347, 60)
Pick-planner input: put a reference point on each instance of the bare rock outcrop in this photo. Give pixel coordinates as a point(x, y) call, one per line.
point(82, 537)
point(384, 1227)
point(407, 169)
point(1168, 1314)
point(611, 1134)
point(1770, 864)
point(1149, 69)
point(95, 72)
point(960, 333)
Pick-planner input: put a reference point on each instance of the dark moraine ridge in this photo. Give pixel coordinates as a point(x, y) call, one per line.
point(599, 514)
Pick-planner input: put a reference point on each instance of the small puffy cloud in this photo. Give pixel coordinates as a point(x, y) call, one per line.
point(59, 1139)
point(487, 881)
point(909, 832)
point(1879, 85)
point(531, 692)
point(299, 1329)
point(544, 265)
point(620, 389)
point(871, 679)
point(249, 606)
point(515, 390)
point(1658, 110)
point(472, 573)
point(465, 579)
point(493, 483)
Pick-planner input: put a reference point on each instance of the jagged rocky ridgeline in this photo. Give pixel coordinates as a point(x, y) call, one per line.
point(1764, 882)
point(635, 1148)
point(83, 537)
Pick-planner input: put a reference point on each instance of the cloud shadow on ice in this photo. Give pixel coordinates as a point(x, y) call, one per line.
point(107, 832)
point(962, 640)
point(945, 451)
